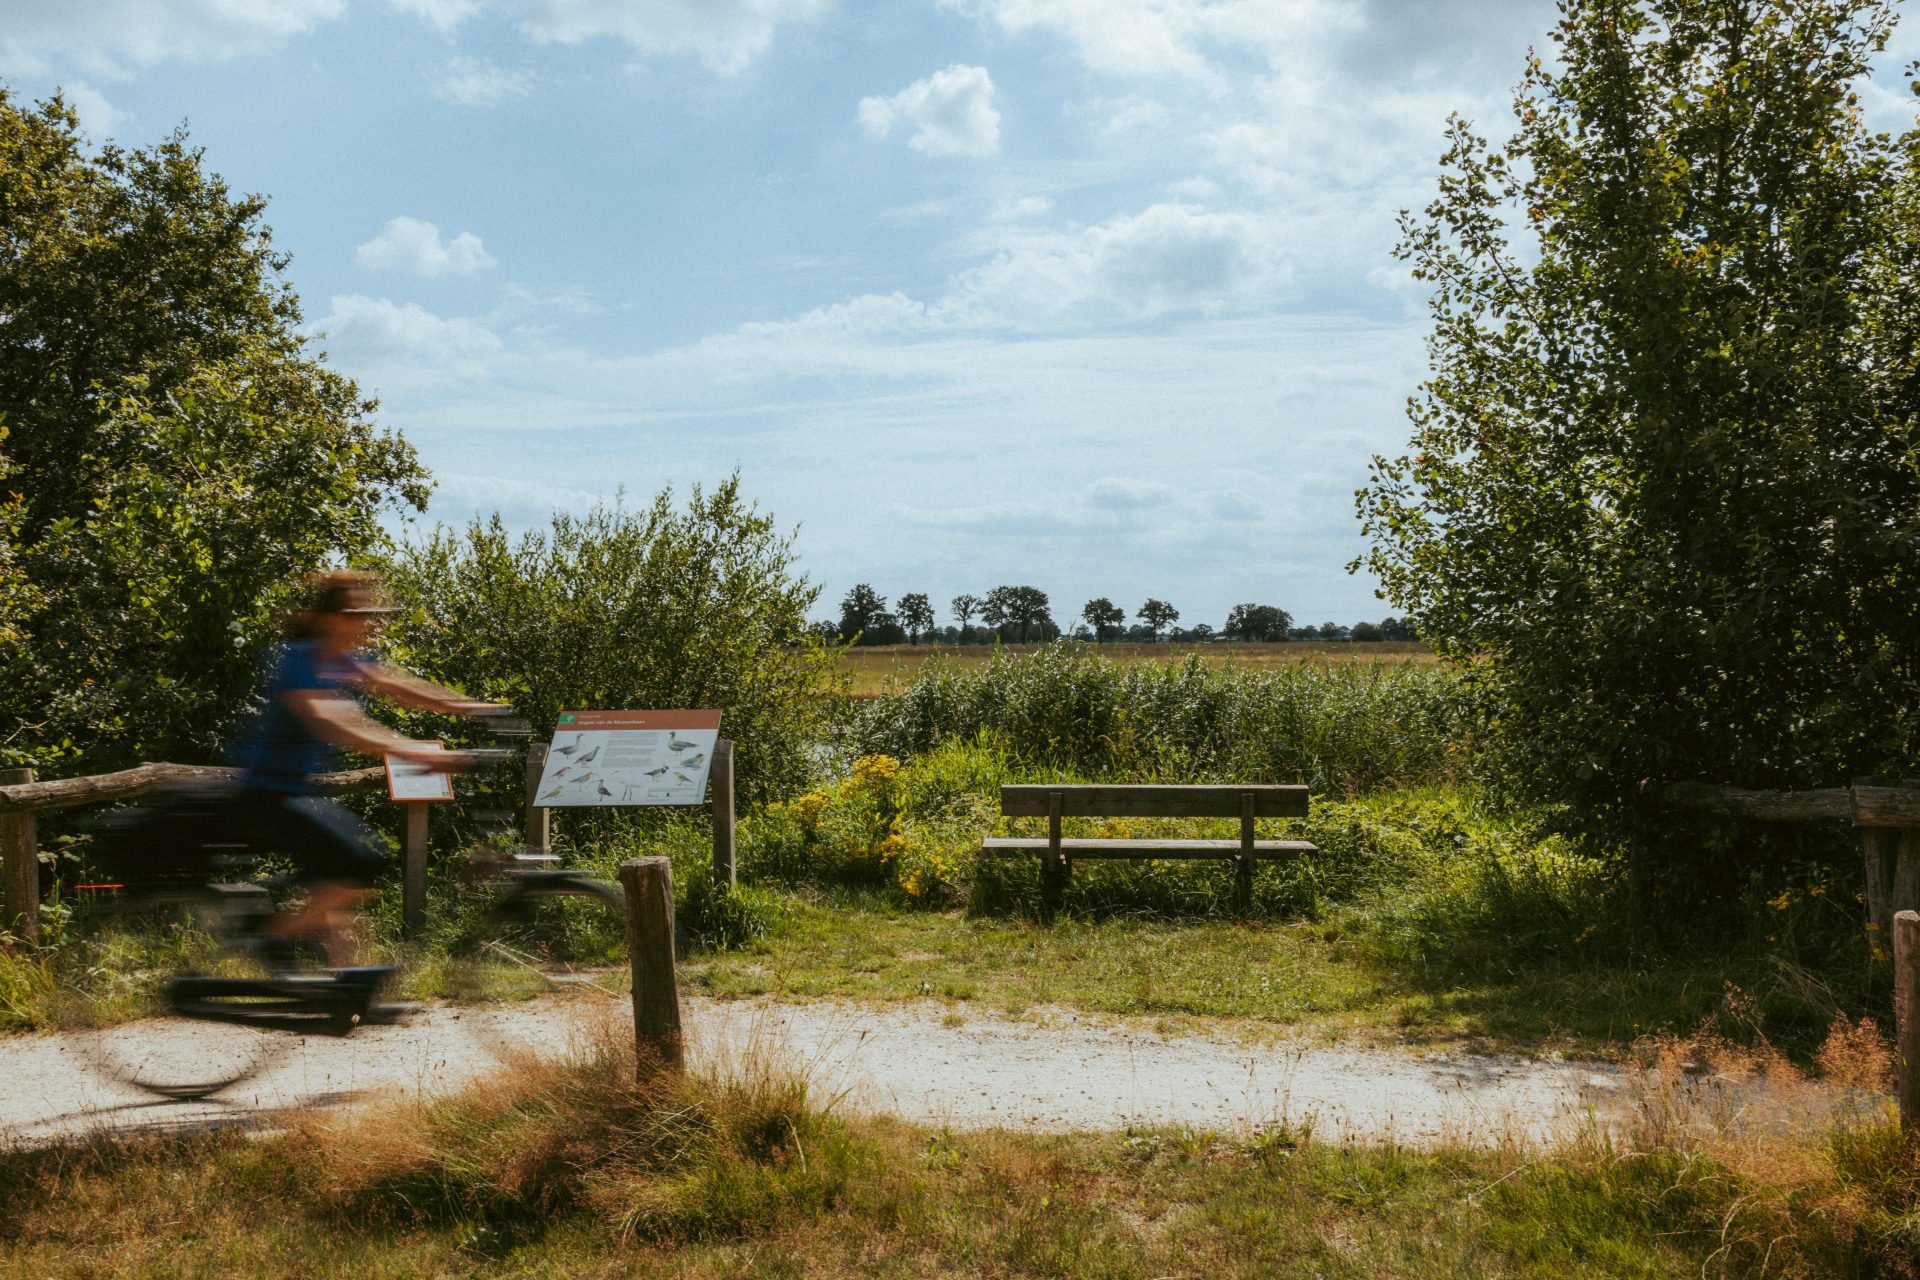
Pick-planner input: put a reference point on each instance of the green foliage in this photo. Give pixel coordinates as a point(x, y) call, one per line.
point(1662, 502)
point(1020, 613)
point(629, 608)
point(1258, 622)
point(1100, 614)
point(178, 459)
point(1339, 728)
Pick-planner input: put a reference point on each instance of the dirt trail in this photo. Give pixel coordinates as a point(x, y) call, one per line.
point(925, 1062)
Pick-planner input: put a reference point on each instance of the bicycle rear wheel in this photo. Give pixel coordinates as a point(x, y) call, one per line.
point(185, 1059)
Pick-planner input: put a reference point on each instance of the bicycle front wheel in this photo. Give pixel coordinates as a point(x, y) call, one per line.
point(540, 968)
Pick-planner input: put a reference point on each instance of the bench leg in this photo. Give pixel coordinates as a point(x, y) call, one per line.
point(1243, 884)
point(1053, 884)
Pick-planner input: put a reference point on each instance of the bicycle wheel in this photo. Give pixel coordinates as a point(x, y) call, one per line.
point(543, 939)
point(188, 1058)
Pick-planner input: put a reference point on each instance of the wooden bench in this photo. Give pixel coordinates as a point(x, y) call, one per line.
point(1057, 801)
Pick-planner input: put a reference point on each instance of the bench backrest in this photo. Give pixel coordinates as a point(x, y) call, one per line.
point(1152, 800)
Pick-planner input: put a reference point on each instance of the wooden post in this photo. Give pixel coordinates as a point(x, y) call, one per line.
point(413, 880)
point(1906, 1015)
point(20, 865)
point(1243, 864)
point(1879, 846)
point(1053, 872)
point(648, 883)
point(539, 823)
point(720, 779)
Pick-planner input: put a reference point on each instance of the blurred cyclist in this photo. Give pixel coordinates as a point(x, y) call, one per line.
point(309, 711)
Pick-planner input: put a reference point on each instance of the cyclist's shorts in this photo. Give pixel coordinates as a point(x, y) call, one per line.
point(325, 841)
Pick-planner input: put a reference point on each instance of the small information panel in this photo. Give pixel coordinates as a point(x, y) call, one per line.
point(628, 758)
point(410, 783)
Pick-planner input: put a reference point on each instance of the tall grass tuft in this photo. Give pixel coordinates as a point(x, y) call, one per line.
point(1341, 728)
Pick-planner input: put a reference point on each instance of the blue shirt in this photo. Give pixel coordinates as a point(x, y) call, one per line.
point(278, 751)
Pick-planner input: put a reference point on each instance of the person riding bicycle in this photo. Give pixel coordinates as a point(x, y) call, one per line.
point(310, 711)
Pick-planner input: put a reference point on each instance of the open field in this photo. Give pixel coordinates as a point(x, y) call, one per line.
point(874, 668)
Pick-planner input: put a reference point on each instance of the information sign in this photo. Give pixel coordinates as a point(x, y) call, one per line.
point(628, 758)
point(410, 783)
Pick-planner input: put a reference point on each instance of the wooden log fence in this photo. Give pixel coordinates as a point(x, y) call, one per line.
point(22, 799)
point(1887, 816)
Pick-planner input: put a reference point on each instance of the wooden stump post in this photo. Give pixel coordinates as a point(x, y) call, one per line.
point(1906, 1015)
point(720, 779)
point(19, 865)
point(413, 880)
point(539, 829)
point(648, 883)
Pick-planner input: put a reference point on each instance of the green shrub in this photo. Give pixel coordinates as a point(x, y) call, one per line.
point(622, 608)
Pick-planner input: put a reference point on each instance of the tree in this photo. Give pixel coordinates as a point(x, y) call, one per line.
point(1364, 631)
point(964, 607)
point(1101, 614)
point(1258, 622)
point(1021, 609)
point(658, 606)
point(1662, 501)
point(1157, 614)
point(860, 611)
point(916, 615)
point(181, 459)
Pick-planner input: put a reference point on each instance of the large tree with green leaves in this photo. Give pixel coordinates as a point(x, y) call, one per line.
point(181, 457)
point(1663, 496)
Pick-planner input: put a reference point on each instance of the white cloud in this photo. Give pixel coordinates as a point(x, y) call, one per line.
point(1112, 493)
point(1161, 38)
point(408, 244)
point(477, 82)
point(1013, 209)
point(951, 111)
point(442, 14)
point(403, 342)
point(111, 37)
point(1196, 188)
point(1168, 257)
point(725, 34)
point(98, 117)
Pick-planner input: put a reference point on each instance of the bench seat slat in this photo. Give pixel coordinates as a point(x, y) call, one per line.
point(1014, 846)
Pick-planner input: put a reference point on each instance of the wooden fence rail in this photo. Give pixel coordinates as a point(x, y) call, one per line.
point(21, 798)
point(1887, 815)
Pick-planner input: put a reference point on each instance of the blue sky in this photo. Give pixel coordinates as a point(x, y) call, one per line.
point(1095, 295)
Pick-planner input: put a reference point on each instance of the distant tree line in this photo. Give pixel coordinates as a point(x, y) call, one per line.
point(1022, 614)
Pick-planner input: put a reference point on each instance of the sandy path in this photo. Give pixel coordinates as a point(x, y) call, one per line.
point(909, 1060)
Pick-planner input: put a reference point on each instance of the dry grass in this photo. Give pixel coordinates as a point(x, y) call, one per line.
point(1732, 1164)
point(874, 668)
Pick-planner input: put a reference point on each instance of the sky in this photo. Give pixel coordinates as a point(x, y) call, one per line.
point(1092, 295)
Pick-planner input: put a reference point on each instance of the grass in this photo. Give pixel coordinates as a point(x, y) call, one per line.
point(1325, 979)
point(877, 668)
point(574, 1170)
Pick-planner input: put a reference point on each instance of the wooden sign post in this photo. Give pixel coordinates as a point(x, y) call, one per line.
point(414, 787)
point(720, 785)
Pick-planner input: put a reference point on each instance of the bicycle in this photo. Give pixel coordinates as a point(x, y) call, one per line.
point(516, 934)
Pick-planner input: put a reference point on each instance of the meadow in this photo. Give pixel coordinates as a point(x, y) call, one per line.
point(877, 669)
point(1433, 918)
